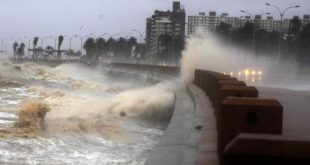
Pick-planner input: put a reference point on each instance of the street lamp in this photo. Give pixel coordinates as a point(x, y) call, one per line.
point(2, 41)
point(70, 40)
point(55, 41)
point(135, 30)
point(281, 23)
point(140, 46)
point(253, 32)
point(82, 38)
point(13, 40)
point(42, 39)
point(29, 40)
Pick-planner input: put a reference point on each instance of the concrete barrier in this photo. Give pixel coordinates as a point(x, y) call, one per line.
point(205, 81)
point(257, 149)
point(198, 78)
point(248, 115)
point(213, 79)
point(230, 82)
point(234, 91)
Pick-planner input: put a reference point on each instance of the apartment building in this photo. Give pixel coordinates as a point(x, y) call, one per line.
point(164, 22)
point(208, 23)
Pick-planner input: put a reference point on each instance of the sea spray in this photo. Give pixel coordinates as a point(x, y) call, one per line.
point(106, 115)
point(73, 111)
point(81, 126)
point(31, 116)
point(30, 120)
point(207, 51)
point(153, 103)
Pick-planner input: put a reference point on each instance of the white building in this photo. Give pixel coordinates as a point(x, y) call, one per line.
point(206, 23)
point(162, 25)
point(164, 22)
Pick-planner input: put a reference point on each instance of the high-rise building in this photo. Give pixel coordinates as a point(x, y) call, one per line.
point(164, 22)
point(306, 19)
point(206, 23)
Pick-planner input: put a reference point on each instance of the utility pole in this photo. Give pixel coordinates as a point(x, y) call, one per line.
point(281, 24)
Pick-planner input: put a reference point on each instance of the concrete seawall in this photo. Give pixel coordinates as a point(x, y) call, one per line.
point(180, 143)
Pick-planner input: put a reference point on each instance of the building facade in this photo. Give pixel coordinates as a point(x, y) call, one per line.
point(164, 23)
point(203, 23)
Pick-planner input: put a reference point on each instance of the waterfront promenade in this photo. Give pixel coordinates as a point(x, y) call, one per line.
point(192, 135)
point(180, 143)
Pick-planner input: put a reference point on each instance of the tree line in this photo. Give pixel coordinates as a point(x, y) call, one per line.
point(170, 48)
point(114, 48)
point(295, 42)
point(95, 48)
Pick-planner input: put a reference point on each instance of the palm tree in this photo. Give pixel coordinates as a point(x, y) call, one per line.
point(100, 46)
point(15, 46)
point(34, 51)
point(111, 46)
point(121, 46)
point(20, 51)
point(132, 41)
point(35, 42)
point(49, 50)
point(60, 39)
point(89, 46)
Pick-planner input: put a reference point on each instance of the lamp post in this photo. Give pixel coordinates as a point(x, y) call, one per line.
point(2, 40)
point(29, 40)
point(140, 34)
point(281, 23)
point(253, 32)
point(26, 39)
point(70, 40)
point(42, 40)
point(13, 41)
point(55, 42)
point(140, 46)
point(81, 39)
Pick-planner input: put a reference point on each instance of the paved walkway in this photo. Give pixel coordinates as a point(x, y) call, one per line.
point(180, 143)
point(296, 114)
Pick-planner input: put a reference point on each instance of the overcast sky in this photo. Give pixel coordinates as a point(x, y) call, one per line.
point(30, 18)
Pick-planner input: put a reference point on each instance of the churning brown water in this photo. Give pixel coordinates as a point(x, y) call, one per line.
point(71, 114)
